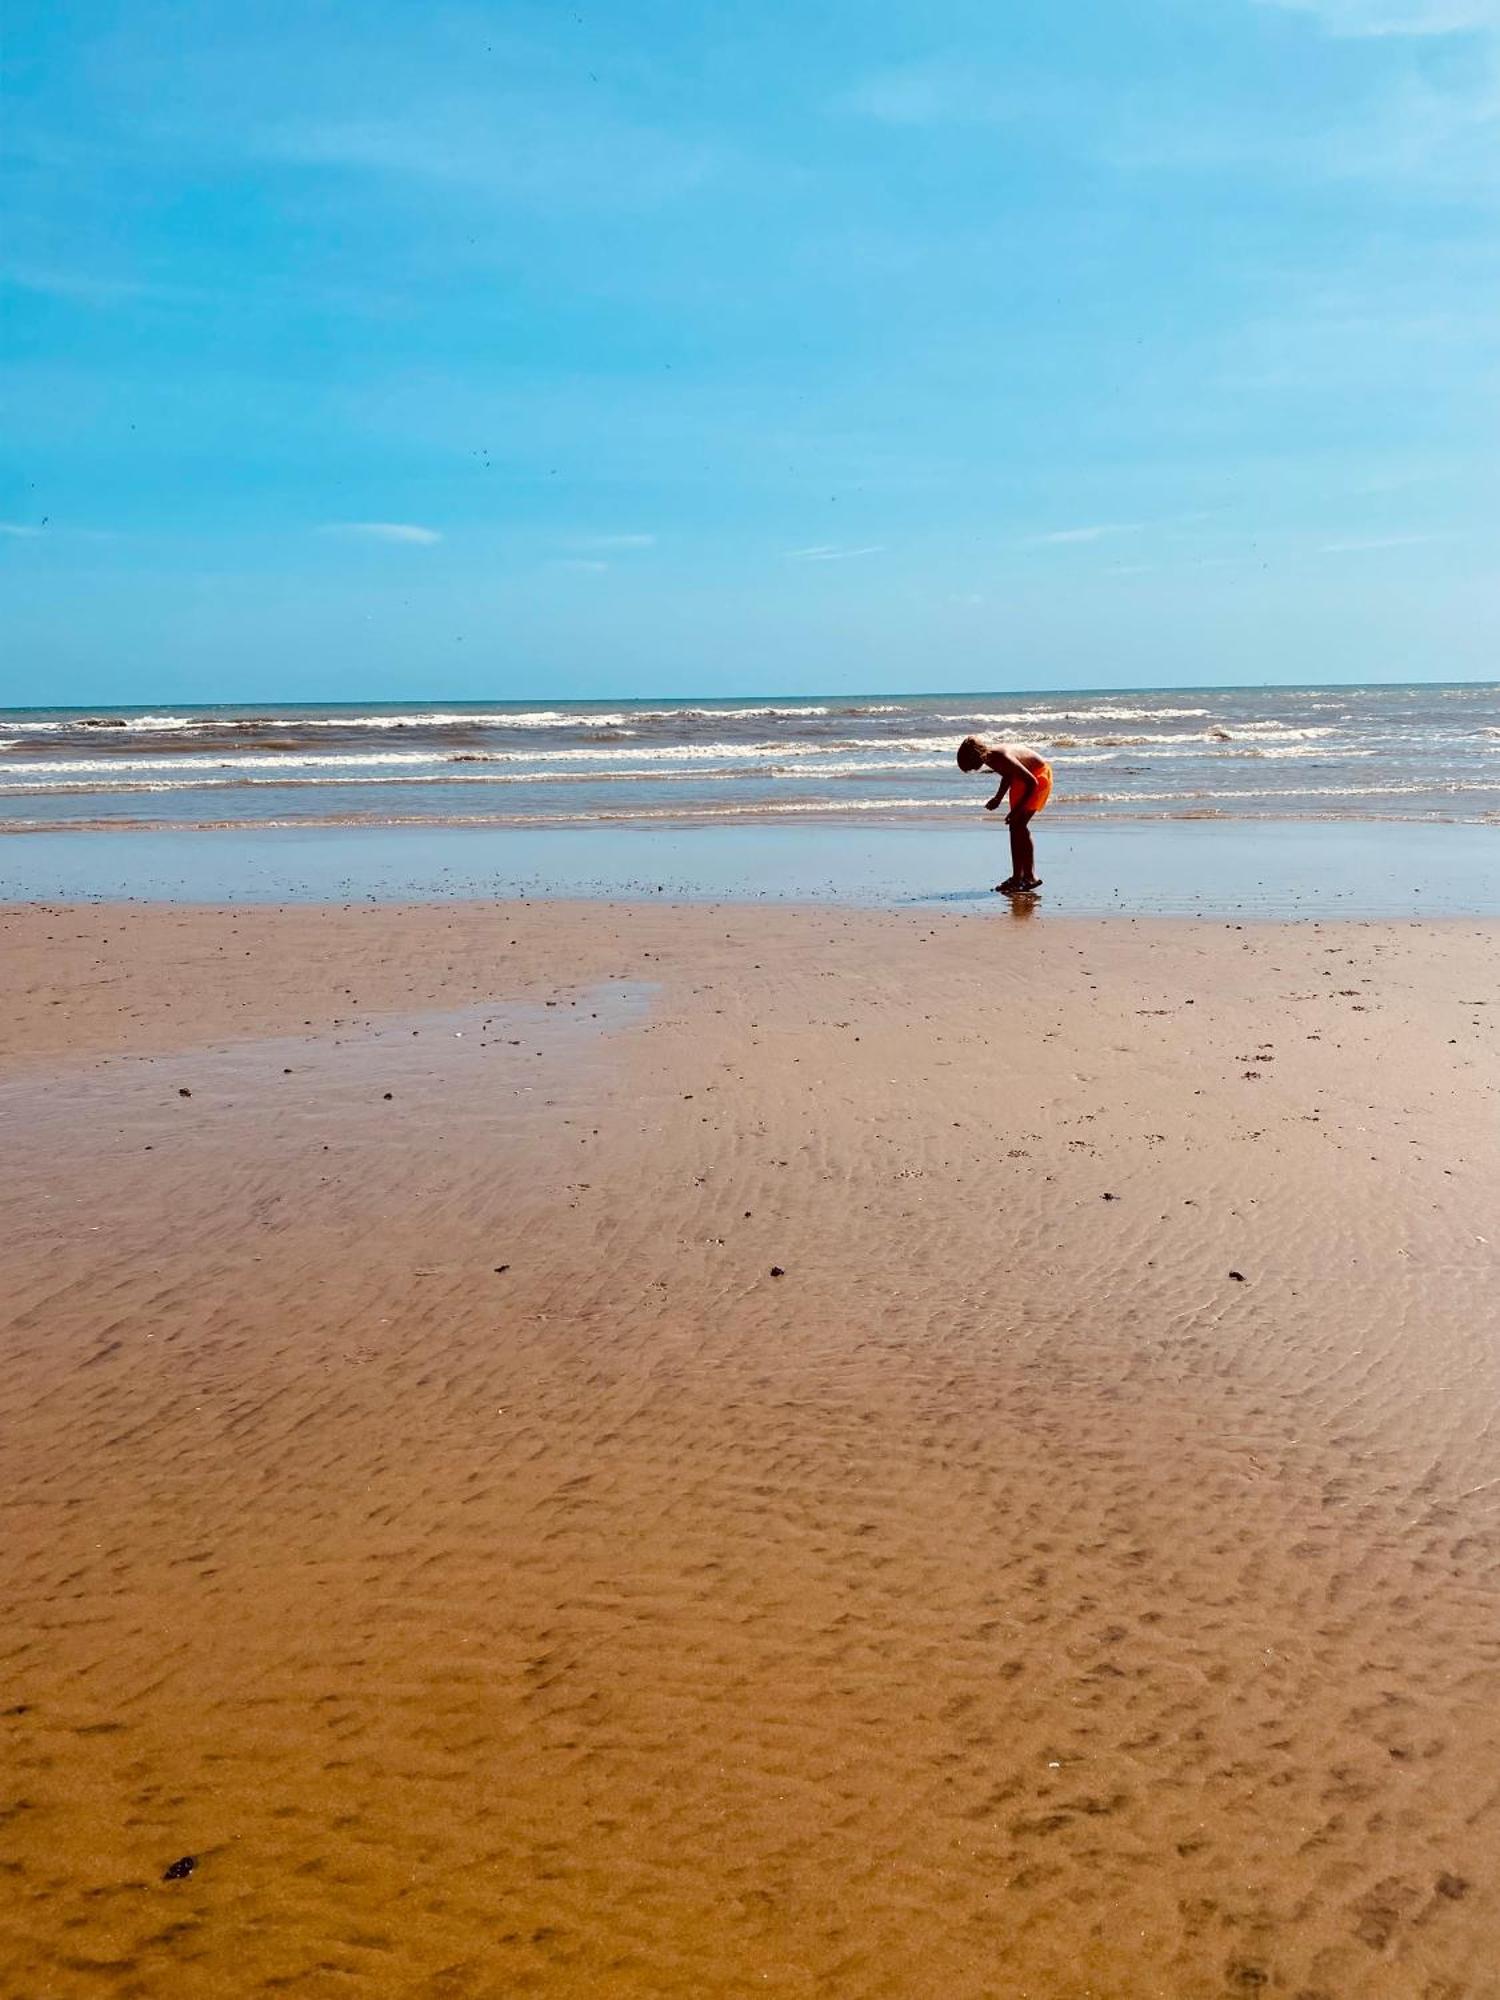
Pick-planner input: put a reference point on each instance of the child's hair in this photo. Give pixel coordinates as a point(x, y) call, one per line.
point(970, 754)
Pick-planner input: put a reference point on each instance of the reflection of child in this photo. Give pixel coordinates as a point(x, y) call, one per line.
point(1028, 779)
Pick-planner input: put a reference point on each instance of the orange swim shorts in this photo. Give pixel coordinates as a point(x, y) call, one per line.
point(1031, 798)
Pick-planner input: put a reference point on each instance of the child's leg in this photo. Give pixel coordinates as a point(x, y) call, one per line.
point(1022, 856)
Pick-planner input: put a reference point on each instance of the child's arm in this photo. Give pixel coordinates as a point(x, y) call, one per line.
point(1009, 771)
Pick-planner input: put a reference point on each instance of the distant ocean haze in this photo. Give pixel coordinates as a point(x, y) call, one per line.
point(1416, 752)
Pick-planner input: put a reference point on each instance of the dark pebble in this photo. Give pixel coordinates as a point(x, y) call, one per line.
point(181, 1869)
point(183, 1091)
point(388, 1096)
point(777, 1272)
point(500, 1269)
point(1238, 1277)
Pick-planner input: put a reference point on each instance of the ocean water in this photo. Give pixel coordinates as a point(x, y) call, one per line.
point(1428, 753)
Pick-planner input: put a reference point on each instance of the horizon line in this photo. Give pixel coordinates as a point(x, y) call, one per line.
point(685, 700)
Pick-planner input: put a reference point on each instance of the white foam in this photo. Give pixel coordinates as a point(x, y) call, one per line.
point(1045, 718)
point(238, 760)
point(1443, 787)
point(1319, 752)
point(222, 775)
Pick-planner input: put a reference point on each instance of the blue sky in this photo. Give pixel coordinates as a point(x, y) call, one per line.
point(648, 348)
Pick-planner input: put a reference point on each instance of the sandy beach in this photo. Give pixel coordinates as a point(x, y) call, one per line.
point(645, 1450)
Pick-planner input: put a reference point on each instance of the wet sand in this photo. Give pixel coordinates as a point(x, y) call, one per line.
point(1202, 867)
point(1078, 1574)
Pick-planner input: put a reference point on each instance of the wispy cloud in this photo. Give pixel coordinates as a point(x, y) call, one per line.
point(1408, 123)
point(918, 94)
point(1364, 544)
point(613, 542)
point(19, 528)
point(1389, 323)
point(583, 563)
point(1094, 533)
point(522, 149)
point(384, 531)
point(1415, 125)
point(826, 552)
point(1364, 19)
point(84, 288)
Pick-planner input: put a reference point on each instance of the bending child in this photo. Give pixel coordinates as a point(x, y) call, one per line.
point(1027, 777)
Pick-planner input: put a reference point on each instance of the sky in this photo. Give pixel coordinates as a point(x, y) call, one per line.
point(646, 348)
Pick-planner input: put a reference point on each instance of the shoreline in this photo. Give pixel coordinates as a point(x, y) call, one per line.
point(1200, 867)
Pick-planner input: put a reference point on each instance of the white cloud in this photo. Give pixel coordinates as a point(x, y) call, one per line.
point(903, 97)
point(82, 288)
point(18, 528)
point(613, 542)
point(826, 552)
point(519, 149)
point(1407, 124)
point(940, 92)
point(1095, 533)
point(579, 563)
point(385, 531)
point(1361, 545)
point(1389, 323)
point(1364, 19)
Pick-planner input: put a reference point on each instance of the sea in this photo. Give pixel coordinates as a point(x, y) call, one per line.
point(1405, 753)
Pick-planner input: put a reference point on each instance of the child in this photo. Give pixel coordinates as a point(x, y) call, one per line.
point(1028, 779)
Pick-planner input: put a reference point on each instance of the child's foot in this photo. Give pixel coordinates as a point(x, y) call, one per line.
point(1032, 882)
point(1009, 888)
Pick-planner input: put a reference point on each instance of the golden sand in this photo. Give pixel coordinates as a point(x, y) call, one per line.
point(1076, 1575)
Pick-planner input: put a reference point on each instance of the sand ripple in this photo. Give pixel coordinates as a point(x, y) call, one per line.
point(1004, 1600)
